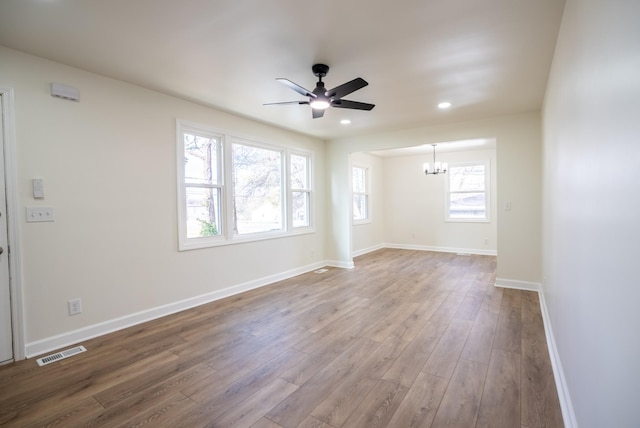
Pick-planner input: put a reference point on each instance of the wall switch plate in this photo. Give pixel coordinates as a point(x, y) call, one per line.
point(39, 214)
point(38, 188)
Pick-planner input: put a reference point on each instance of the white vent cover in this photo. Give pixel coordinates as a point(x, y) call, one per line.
point(66, 92)
point(60, 355)
point(323, 270)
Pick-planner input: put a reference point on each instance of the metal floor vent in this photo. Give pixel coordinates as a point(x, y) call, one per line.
point(60, 355)
point(320, 270)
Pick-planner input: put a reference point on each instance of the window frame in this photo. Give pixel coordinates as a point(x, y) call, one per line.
point(366, 194)
point(227, 235)
point(184, 241)
point(487, 192)
point(283, 202)
point(308, 190)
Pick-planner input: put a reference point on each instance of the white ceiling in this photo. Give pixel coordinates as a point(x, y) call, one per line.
point(487, 58)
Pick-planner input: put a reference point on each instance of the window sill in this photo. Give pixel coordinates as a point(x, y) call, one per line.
point(361, 222)
point(219, 241)
point(467, 220)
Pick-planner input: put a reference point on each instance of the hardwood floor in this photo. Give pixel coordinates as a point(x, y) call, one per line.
point(406, 339)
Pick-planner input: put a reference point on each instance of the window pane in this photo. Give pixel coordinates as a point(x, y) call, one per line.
point(200, 160)
point(203, 212)
point(299, 172)
point(467, 205)
point(359, 178)
point(300, 206)
point(359, 207)
point(257, 189)
point(466, 178)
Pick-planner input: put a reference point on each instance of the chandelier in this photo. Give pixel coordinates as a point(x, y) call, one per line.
point(438, 168)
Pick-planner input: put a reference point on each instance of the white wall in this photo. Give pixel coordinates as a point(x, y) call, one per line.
point(415, 206)
point(114, 241)
point(592, 209)
point(370, 235)
point(109, 169)
point(518, 180)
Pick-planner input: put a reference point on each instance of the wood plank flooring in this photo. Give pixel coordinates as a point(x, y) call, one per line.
point(405, 339)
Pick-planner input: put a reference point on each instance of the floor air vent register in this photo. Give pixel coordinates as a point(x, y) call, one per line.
point(60, 355)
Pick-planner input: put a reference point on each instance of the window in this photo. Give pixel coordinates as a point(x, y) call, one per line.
point(203, 183)
point(232, 189)
point(360, 190)
point(468, 192)
point(300, 190)
point(257, 189)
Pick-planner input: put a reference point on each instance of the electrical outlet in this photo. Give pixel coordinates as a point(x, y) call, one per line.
point(75, 306)
point(39, 214)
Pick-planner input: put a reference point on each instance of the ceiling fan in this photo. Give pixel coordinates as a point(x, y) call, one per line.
point(320, 99)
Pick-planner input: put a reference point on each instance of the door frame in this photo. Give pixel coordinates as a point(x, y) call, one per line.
point(13, 221)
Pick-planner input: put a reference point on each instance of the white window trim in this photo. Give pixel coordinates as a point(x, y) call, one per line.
point(185, 243)
point(227, 237)
point(487, 192)
point(367, 193)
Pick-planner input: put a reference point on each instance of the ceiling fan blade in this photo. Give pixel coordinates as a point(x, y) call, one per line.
point(299, 89)
point(352, 104)
point(286, 102)
point(347, 88)
point(317, 112)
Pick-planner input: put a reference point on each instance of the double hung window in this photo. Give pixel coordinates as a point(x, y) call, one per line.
point(360, 192)
point(468, 192)
point(300, 190)
point(231, 189)
point(202, 183)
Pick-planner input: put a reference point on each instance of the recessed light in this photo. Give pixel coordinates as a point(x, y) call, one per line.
point(345, 121)
point(444, 105)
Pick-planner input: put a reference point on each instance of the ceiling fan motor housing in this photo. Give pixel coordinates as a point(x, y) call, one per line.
point(320, 70)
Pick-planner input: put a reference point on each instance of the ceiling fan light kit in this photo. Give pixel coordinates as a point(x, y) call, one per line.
point(321, 99)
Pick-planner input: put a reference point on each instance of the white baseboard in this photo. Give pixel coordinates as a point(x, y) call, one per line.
point(368, 250)
point(518, 285)
point(568, 414)
point(339, 264)
point(478, 251)
point(76, 336)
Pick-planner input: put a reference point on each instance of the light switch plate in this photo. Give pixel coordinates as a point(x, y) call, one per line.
point(38, 188)
point(39, 214)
